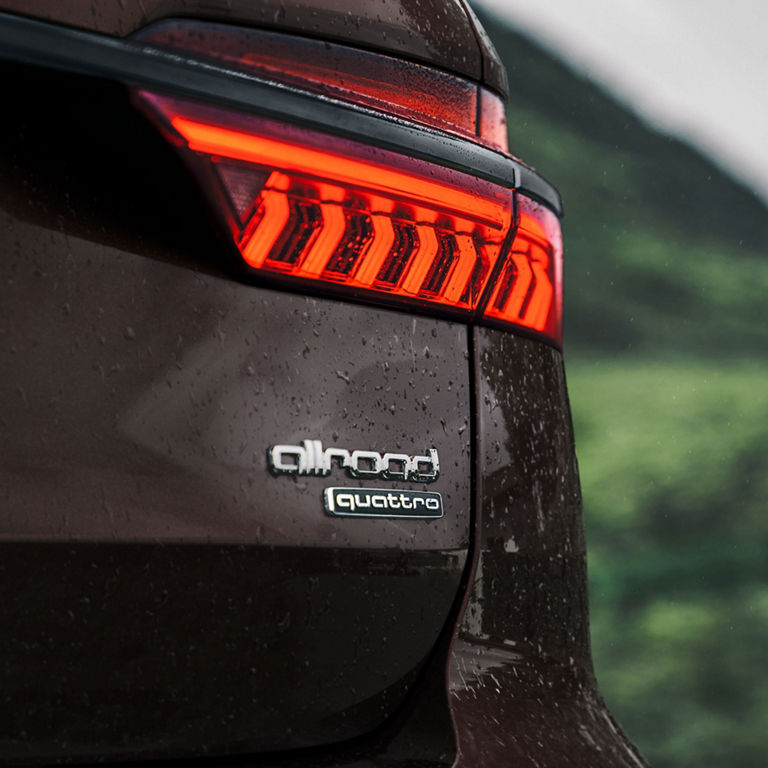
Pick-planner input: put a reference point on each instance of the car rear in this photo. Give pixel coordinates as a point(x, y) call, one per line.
point(287, 462)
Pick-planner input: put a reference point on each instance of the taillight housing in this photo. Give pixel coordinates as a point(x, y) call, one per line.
point(321, 212)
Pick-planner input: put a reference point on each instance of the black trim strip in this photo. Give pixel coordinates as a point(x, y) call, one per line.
point(42, 44)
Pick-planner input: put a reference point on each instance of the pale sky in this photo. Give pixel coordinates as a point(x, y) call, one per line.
point(696, 68)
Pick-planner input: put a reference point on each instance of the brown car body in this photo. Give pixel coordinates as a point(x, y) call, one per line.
point(164, 594)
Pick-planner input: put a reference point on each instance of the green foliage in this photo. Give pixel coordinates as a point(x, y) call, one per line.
point(674, 469)
point(666, 272)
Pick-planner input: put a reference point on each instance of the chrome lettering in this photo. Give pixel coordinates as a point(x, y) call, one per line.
point(310, 458)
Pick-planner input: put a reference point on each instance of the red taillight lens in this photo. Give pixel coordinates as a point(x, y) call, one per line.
point(312, 207)
point(309, 208)
point(528, 291)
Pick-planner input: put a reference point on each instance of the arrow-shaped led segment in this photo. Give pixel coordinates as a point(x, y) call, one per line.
point(528, 291)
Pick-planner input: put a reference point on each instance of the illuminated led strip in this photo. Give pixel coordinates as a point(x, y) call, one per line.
point(422, 259)
point(379, 248)
point(462, 270)
point(331, 232)
point(262, 150)
point(275, 215)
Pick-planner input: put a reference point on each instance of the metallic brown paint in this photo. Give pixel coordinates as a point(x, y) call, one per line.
point(522, 688)
point(166, 387)
point(115, 651)
point(163, 593)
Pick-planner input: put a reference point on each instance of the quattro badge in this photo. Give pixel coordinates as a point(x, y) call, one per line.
point(375, 502)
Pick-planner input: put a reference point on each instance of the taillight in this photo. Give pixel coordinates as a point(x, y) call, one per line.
point(528, 291)
point(322, 212)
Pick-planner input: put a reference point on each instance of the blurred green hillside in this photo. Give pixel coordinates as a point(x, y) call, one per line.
point(666, 279)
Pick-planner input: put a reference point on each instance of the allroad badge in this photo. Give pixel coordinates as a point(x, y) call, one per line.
point(377, 502)
point(310, 458)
